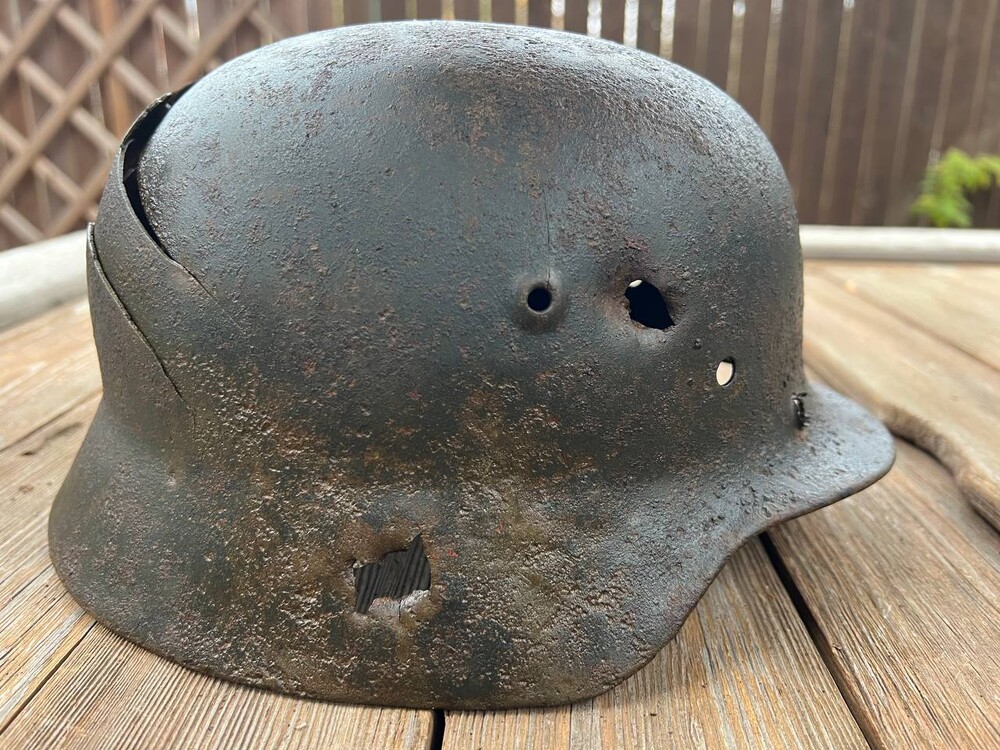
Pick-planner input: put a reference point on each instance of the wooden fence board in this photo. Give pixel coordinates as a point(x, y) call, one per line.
point(781, 126)
point(685, 45)
point(432, 8)
point(355, 11)
point(718, 41)
point(395, 10)
point(649, 25)
point(816, 90)
point(574, 20)
point(319, 14)
point(961, 86)
point(753, 55)
point(916, 127)
point(613, 19)
point(465, 10)
point(540, 13)
point(892, 54)
point(846, 156)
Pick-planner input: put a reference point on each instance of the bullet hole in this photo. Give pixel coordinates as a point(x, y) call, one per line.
point(540, 299)
point(646, 305)
point(725, 372)
point(395, 576)
point(801, 415)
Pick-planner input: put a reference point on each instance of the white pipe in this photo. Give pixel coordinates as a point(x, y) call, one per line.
point(37, 277)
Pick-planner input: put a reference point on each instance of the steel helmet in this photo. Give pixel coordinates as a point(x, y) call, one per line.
point(444, 365)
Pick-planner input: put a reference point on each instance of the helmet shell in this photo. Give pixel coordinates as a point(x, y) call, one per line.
point(311, 281)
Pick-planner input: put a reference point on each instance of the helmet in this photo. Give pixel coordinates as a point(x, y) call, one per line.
point(444, 365)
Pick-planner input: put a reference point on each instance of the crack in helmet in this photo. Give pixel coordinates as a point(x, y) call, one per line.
point(444, 365)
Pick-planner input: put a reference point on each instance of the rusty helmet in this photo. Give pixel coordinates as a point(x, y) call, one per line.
point(444, 365)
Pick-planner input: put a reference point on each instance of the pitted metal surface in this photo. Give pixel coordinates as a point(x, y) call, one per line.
point(367, 291)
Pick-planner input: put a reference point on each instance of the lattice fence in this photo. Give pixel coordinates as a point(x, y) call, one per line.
point(857, 95)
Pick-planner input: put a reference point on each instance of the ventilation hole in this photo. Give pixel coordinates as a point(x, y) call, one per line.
point(725, 372)
point(646, 305)
point(396, 575)
point(540, 299)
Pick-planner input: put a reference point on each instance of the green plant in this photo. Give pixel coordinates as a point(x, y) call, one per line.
point(944, 192)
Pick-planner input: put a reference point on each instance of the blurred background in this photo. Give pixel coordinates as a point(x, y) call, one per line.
point(884, 112)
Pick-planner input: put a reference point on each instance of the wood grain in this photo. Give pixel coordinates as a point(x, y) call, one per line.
point(923, 388)
point(110, 693)
point(960, 305)
point(741, 673)
point(39, 621)
point(46, 366)
point(903, 583)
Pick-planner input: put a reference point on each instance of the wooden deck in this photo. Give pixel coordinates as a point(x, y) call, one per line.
point(875, 622)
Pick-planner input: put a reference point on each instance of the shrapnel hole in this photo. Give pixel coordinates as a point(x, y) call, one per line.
point(725, 372)
point(396, 575)
point(801, 415)
point(646, 305)
point(539, 299)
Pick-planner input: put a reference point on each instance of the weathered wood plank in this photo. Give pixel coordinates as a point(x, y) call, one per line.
point(742, 672)
point(902, 581)
point(46, 366)
point(926, 390)
point(960, 304)
point(110, 693)
point(39, 622)
point(38, 629)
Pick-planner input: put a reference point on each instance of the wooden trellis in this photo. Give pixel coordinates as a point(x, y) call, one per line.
point(856, 95)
